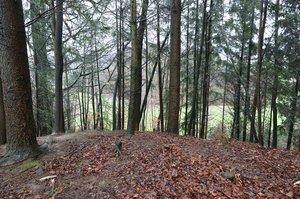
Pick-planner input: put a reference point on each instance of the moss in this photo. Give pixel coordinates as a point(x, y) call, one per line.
point(27, 164)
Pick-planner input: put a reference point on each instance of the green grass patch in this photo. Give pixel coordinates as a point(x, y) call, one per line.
point(27, 164)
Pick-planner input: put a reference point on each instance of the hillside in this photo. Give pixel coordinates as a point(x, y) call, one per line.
point(152, 165)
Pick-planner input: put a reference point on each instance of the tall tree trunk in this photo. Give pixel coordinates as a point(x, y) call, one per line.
point(20, 126)
point(224, 97)
point(123, 65)
point(93, 98)
point(276, 79)
point(2, 116)
point(68, 110)
point(237, 100)
point(270, 128)
point(137, 35)
point(114, 111)
point(257, 94)
point(80, 110)
point(83, 103)
point(59, 111)
point(100, 122)
point(197, 66)
point(160, 84)
point(292, 113)
point(140, 37)
point(135, 78)
point(117, 91)
point(206, 76)
point(187, 71)
point(174, 85)
point(247, 88)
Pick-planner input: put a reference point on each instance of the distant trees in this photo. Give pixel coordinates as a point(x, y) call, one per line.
point(21, 132)
point(238, 78)
point(43, 93)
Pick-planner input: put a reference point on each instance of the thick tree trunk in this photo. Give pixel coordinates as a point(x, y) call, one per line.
point(135, 78)
point(59, 126)
point(2, 117)
point(174, 86)
point(21, 131)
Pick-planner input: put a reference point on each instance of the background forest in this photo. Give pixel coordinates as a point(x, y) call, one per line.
point(219, 68)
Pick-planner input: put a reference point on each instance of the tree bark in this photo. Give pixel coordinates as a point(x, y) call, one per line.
point(59, 111)
point(237, 100)
point(276, 78)
point(135, 78)
point(20, 126)
point(187, 71)
point(174, 85)
point(160, 84)
point(206, 76)
point(247, 88)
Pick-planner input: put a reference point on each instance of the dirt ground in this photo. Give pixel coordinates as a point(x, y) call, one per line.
point(151, 165)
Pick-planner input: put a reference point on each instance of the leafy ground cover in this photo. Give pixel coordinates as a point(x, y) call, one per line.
point(152, 165)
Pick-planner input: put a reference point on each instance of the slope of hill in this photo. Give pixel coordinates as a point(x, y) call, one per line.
point(152, 165)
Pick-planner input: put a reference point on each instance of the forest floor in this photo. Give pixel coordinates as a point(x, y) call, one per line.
point(152, 165)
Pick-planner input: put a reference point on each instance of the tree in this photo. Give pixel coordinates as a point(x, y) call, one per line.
point(247, 87)
point(174, 85)
point(197, 65)
point(257, 95)
point(21, 140)
point(2, 117)
point(59, 111)
point(140, 37)
point(160, 84)
point(276, 76)
point(206, 75)
point(135, 86)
